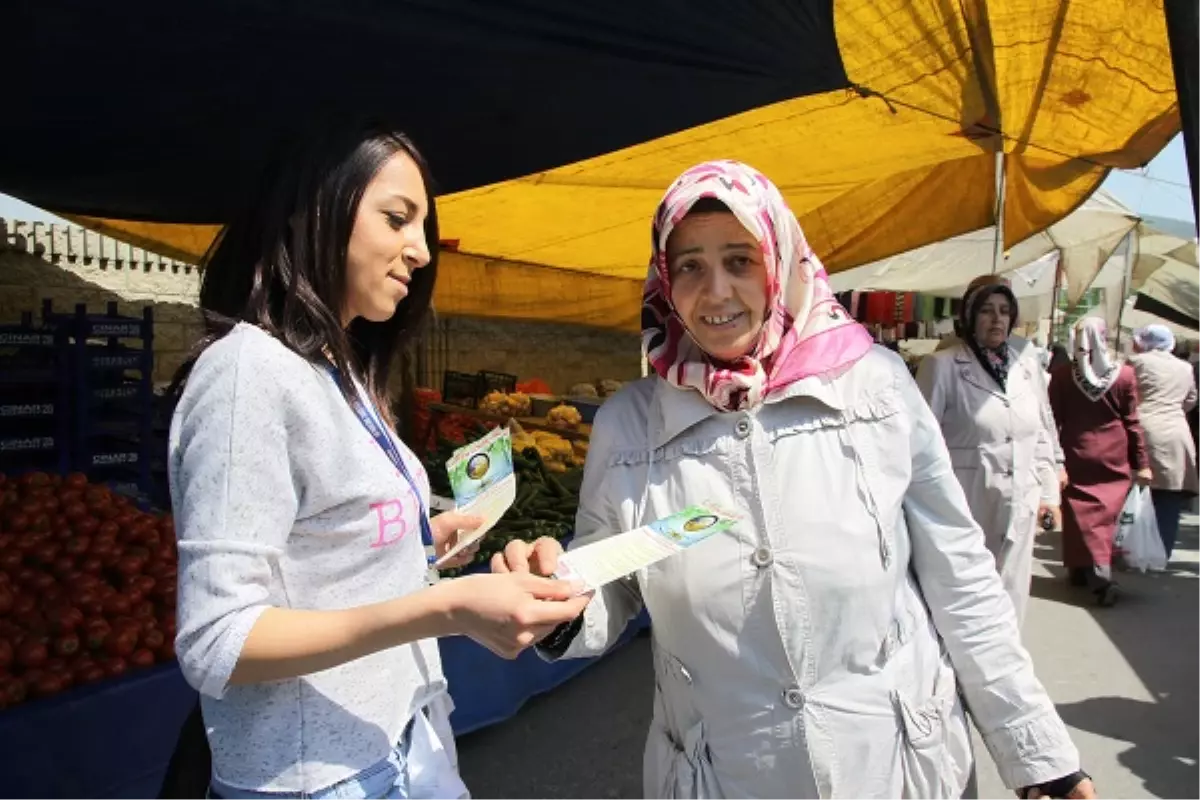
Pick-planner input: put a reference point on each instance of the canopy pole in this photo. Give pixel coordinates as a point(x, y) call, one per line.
point(998, 252)
point(1129, 258)
point(1182, 23)
point(1058, 276)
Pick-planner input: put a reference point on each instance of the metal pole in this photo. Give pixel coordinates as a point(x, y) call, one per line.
point(1183, 19)
point(1130, 255)
point(998, 252)
point(1058, 275)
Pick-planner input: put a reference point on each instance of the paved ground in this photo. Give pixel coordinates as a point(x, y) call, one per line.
point(1125, 679)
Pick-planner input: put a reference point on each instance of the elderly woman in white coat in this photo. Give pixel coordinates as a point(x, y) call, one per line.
point(993, 410)
point(818, 648)
point(1167, 391)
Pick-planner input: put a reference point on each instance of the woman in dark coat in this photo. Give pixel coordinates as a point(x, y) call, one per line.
point(1095, 406)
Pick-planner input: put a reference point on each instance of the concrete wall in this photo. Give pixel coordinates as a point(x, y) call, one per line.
point(70, 265)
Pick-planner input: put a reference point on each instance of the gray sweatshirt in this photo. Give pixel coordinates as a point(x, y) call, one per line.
point(283, 499)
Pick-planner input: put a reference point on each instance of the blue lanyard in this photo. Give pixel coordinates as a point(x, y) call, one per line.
point(388, 445)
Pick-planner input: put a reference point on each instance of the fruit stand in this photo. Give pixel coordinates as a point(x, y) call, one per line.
point(91, 698)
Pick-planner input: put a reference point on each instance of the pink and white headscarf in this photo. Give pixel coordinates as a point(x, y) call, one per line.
point(805, 330)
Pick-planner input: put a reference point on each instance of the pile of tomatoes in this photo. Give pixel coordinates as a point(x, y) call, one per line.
point(87, 585)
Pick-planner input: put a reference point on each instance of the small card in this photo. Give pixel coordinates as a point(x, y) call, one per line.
point(482, 478)
point(605, 561)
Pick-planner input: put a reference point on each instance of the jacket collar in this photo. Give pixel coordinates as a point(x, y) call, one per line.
point(673, 410)
point(971, 371)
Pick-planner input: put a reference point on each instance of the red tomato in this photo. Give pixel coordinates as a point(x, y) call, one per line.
point(40, 522)
point(7, 654)
point(10, 560)
point(96, 633)
point(67, 495)
point(116, 605)
point(66, 645)
point(167, 651)
point(64, 565)
point(12, 692)
point(76, 480)
point(144, 584)
point(46, 553)
point(108, 530)
point(77, 545)
point(142, 658)
point(42, 581)
point(75, 511)
point(121, 643)
point(144, 610)
point(115, 666)
point(130, 565)
point(64, 618)
point(87, 526)
point(47, 685)
point(91, 565)
point(31, 654)
point(93, 673)
point(23, 604)
point(50, 504)
point(6, 600)
point(60, 669)
point(153, 639)
point(166, 624)
point(33, 480)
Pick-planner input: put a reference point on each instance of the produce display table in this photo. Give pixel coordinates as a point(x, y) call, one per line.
point(115, 739)
point(581, 433)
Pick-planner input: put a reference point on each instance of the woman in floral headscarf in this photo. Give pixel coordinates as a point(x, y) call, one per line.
point(1096, 406)
point(816, 649)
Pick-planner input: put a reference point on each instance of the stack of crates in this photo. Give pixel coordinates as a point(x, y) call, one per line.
point(111, 367)
point(35, 400)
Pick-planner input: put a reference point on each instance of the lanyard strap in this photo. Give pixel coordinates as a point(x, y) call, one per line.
point(375, 427)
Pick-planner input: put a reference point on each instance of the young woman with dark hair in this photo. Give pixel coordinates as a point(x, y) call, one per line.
point(305, 619)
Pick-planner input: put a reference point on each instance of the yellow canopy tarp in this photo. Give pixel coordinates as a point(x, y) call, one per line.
point(1067, 90)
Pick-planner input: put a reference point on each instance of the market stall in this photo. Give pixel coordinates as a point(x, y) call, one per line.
point(88, 561)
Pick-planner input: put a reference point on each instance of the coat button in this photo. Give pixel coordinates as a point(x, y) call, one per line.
point(1008, 440)
point(762, 557)
point(742, 428)
point(793, 698)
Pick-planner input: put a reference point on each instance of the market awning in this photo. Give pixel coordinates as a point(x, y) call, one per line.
point(1166, 276)
point(1083, 241)
point(883, 137)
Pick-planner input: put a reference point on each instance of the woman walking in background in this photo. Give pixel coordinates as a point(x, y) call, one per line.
point(990, 401)
point(1096, 407)
point(1168, 393)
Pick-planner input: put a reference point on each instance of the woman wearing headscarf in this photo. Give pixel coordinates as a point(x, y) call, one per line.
point(818, 648)
point(993, 411)
point(1096, 405)
point(1167, 393)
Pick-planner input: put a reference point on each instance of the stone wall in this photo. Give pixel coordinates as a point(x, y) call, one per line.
point(69, 265)
point(561, 355)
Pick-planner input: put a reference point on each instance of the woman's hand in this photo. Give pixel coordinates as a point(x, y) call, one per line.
point(1143, 476)
point(539, 558)
point(507, 613)
point(1084, 790)
point(1054, 512)
point(446, 528)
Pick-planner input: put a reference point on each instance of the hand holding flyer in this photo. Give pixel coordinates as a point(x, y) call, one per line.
point(617, 556)
point(482, 478)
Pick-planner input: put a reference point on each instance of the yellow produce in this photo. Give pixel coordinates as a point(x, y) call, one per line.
point(564, 417)
point(501, 404)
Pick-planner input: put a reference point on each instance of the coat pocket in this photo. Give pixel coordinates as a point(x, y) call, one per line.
point(935, 752)
point(677, 761)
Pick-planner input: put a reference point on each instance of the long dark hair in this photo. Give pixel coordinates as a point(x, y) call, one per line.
point(281, 263)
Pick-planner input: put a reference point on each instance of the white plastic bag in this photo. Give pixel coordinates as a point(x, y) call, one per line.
point(1137, 533)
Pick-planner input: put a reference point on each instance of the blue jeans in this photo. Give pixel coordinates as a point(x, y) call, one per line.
point(1168, 506)
point(384, 779)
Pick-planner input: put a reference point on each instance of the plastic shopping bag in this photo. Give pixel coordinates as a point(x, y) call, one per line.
point(1137, 533)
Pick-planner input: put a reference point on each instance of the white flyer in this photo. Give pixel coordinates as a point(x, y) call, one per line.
point(602, 562)
point(484, 485)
